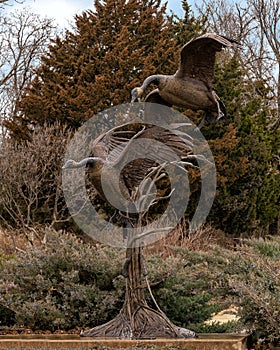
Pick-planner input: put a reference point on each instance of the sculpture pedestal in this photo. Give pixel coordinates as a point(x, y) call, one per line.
point(202, 342)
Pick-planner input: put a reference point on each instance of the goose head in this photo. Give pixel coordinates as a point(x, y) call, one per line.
point(72, 164)
point(136, 94)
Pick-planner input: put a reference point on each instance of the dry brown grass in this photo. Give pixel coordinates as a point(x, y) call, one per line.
point(11, 241)
point(14, 240)
point(200, 240)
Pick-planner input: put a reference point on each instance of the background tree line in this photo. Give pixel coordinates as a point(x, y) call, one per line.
point(54, 83)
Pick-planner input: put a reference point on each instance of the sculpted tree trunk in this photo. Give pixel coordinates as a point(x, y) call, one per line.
point(137, 320)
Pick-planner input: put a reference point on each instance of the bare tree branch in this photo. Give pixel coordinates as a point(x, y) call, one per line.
point(31, 178)
point(255, 23)
point(24, 39)
point(267, 14)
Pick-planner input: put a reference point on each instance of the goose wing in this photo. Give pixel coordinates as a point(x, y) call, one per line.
point(116, 148)
point(158, 145)
point(109, 145)
point(126, 149)
point(198, 56)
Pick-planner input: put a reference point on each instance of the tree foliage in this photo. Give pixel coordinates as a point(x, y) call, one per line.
point(256, 24)
point(95, 67)
point(245, 151)
point(112, 48)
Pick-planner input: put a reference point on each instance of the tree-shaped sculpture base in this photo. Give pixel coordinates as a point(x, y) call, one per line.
point(139, 167)
point(136, 319)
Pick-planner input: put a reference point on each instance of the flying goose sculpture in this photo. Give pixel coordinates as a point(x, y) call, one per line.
point(113, 150)
point(191, 86)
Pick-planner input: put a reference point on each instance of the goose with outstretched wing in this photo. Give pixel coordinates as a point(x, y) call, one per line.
point(122, 158)
point(191, 86)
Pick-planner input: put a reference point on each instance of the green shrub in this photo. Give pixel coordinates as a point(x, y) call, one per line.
point(66, 283)
point(201, 283)
point(217, 327)
point(255, 278)
point(188, 293)
point(61, 285)
point(7, 317)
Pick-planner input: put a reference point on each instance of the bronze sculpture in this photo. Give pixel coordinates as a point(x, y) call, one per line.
point(120, 142)
point(191, 86)
point(136, 319)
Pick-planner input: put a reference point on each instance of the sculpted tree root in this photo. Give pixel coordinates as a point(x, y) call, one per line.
point(145, 323)
point(137, 320)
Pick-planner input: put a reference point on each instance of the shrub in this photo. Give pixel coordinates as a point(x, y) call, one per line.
point(200, 283)
point(66, 283)
point(189, 293)
point(31, 191)
point(61, 285)
point(255, 278)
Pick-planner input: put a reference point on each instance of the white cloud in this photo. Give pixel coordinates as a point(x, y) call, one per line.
point(62, 11)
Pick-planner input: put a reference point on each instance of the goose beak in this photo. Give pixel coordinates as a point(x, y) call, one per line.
point(136, 93)
point(69, 164)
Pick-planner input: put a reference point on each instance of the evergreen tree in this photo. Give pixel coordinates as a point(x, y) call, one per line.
point(188, 27)
point(112, 49)
point(244, 147)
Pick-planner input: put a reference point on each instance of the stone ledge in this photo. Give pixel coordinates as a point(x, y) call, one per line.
point(202, 342)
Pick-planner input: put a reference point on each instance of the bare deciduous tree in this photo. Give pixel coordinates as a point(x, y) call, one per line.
point(267, 15)
point(24, 38)
point(30, 189)
point(256, 24)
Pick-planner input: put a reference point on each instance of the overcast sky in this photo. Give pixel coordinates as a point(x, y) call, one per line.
point(63, 11)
